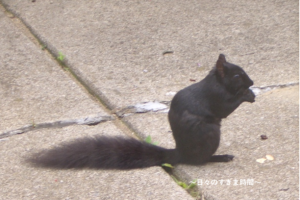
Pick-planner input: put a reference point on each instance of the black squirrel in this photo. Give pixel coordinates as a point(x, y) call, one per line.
point(195, 116)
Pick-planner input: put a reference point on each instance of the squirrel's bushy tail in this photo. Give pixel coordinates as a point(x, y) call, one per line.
point(103, 152)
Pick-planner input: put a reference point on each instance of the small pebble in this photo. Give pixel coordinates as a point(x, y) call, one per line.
point(263, 137)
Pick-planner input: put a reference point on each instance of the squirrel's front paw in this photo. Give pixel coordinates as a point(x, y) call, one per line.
point(249, 96)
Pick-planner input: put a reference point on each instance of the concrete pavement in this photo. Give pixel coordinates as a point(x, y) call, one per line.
point(114, 58)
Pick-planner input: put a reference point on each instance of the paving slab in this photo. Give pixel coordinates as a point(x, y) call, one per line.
point(117, 47)
point(20, 181)
point(34, 90)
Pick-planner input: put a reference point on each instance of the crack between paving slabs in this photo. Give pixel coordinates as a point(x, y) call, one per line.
point(145, 107)
point(57, 124)
point(163, 106)
point(53, 53)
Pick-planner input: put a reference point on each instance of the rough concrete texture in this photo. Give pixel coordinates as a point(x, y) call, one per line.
point(133, 52)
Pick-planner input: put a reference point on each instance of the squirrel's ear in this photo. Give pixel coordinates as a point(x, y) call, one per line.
point(220, 66)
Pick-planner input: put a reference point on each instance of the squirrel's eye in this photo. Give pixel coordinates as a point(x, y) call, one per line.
point(236, 76)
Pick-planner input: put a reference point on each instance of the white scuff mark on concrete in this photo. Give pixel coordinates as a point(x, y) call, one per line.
point(170, 93)
point(90, 120)
point(150, 106)
point(258, 91)
point(263, 89)
point(165, 111)
point(93, 120)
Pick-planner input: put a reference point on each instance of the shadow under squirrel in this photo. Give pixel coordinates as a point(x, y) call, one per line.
point(195, 116)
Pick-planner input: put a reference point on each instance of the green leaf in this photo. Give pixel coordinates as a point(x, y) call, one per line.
point(155, 143)
point(148, 139)
point(184, 185)
point(167, 165)
point(60, 56)
point(193, 184)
